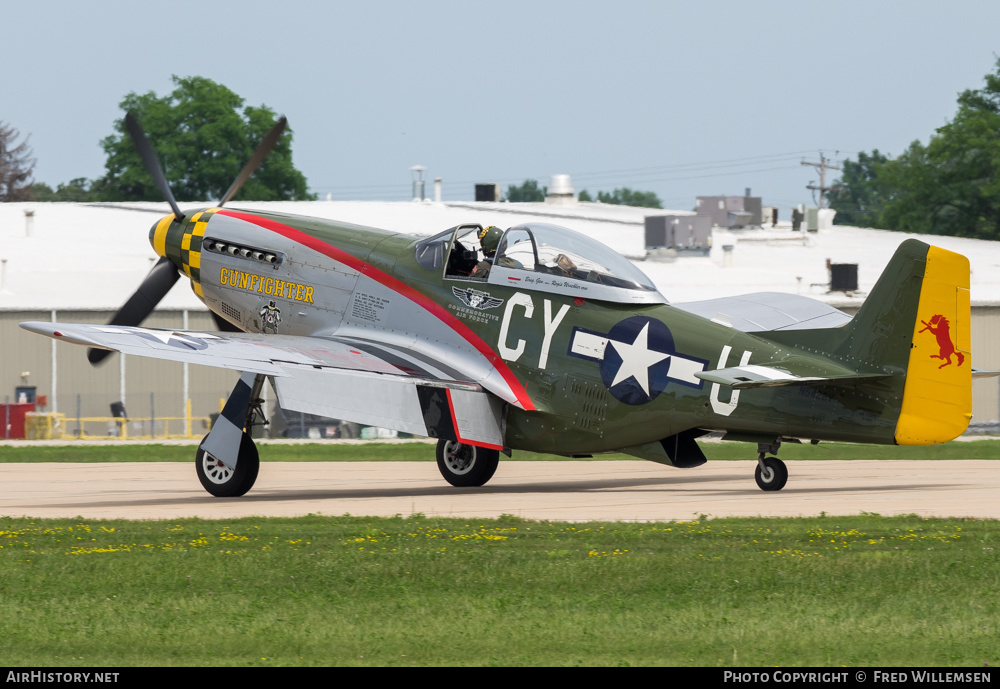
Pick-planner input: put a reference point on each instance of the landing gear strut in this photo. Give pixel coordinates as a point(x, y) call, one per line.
point(771, 472)
point(227, 461)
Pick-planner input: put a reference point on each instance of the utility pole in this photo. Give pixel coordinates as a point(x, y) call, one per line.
point(823, 166)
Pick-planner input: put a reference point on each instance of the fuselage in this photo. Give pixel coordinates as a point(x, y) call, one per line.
point(580, 374)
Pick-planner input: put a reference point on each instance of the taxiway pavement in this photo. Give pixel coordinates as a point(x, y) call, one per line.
point(565, 491)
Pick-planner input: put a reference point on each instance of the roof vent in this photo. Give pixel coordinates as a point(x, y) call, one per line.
point(561, 191)
point(844, 277)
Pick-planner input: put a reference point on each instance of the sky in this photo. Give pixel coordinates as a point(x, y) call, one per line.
point(679, 98)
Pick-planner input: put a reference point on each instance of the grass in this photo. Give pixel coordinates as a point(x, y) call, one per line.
point(415, 452)
point(826, 591)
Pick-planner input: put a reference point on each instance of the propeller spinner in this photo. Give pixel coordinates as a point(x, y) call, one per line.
point(164, 273)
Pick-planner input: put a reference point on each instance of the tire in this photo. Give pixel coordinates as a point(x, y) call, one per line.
point(774, 476)
point(466, 465)
point(223, 482)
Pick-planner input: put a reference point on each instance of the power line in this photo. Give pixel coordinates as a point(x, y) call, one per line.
point(611, 177)
point(640, 172)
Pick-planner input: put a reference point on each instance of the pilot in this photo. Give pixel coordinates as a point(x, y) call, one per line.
point(489, 239)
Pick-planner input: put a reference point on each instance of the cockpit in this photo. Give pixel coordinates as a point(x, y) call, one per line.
point(537, 256)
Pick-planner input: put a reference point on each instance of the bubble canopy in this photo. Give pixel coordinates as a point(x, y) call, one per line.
point(554, 259)
point(540, 257)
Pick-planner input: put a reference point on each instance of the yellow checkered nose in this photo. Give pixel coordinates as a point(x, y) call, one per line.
point(179, 241)
point(158, 234)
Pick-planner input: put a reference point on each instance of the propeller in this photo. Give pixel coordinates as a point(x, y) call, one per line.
point(154, 287)
point(151, 162)
point(164, 273)
point(263, 150)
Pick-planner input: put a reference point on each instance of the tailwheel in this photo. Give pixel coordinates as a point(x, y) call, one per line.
point(223, 482)
point(465, 465)
point(771, 473)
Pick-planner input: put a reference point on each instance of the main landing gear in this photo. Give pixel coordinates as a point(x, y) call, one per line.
point(465, 465)
point(223, 482)
point(771, 472)
point(227, 461)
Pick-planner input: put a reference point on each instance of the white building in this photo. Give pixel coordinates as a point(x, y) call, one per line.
point(79, 262)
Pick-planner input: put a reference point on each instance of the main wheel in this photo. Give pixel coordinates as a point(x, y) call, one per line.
point(773, 476)
point(223, 482)
point(466, 465)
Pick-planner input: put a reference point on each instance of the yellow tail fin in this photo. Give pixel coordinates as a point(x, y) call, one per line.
point(937, 397)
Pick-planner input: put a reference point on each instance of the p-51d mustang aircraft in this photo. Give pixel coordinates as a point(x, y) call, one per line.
point(536, 339)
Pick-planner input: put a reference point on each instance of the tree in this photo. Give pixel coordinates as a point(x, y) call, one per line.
point(16, 166)
point(585, 196)
point(526, 192)
point(77, 190)
point(203, 135)
point(859, 196)
point(951, 186)
point(628, 197)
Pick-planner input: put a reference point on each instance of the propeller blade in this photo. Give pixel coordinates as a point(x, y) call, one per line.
point(256, 159)
point(151, 162)
point(153, 288)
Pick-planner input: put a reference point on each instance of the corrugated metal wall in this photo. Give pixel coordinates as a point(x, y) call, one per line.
point(155, 387)
point(986, 356)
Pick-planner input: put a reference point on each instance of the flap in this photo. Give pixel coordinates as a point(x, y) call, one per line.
point(453, 411)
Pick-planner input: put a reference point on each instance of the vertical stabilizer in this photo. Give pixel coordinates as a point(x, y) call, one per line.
point(914, 326)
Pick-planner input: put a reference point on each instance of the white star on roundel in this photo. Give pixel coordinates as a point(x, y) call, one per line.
point(163, 336)
point(636, 359)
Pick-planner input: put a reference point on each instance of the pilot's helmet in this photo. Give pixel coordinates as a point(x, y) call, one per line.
point(489, 238)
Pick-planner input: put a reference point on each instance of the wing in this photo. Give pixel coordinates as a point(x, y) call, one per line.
point(366, 382)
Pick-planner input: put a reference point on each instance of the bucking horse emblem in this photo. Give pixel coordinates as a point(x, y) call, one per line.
point(941, 329)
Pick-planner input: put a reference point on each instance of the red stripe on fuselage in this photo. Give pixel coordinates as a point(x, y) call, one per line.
point(397, 286)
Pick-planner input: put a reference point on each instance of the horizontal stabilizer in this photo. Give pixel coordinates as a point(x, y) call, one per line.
point(756, 376)
point(978, 373)
point(767, 311)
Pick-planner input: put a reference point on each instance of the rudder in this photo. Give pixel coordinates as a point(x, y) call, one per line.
point(937, 397)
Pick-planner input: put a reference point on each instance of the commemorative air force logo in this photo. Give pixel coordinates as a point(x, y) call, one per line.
point(637, 359)
point(476, 299)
